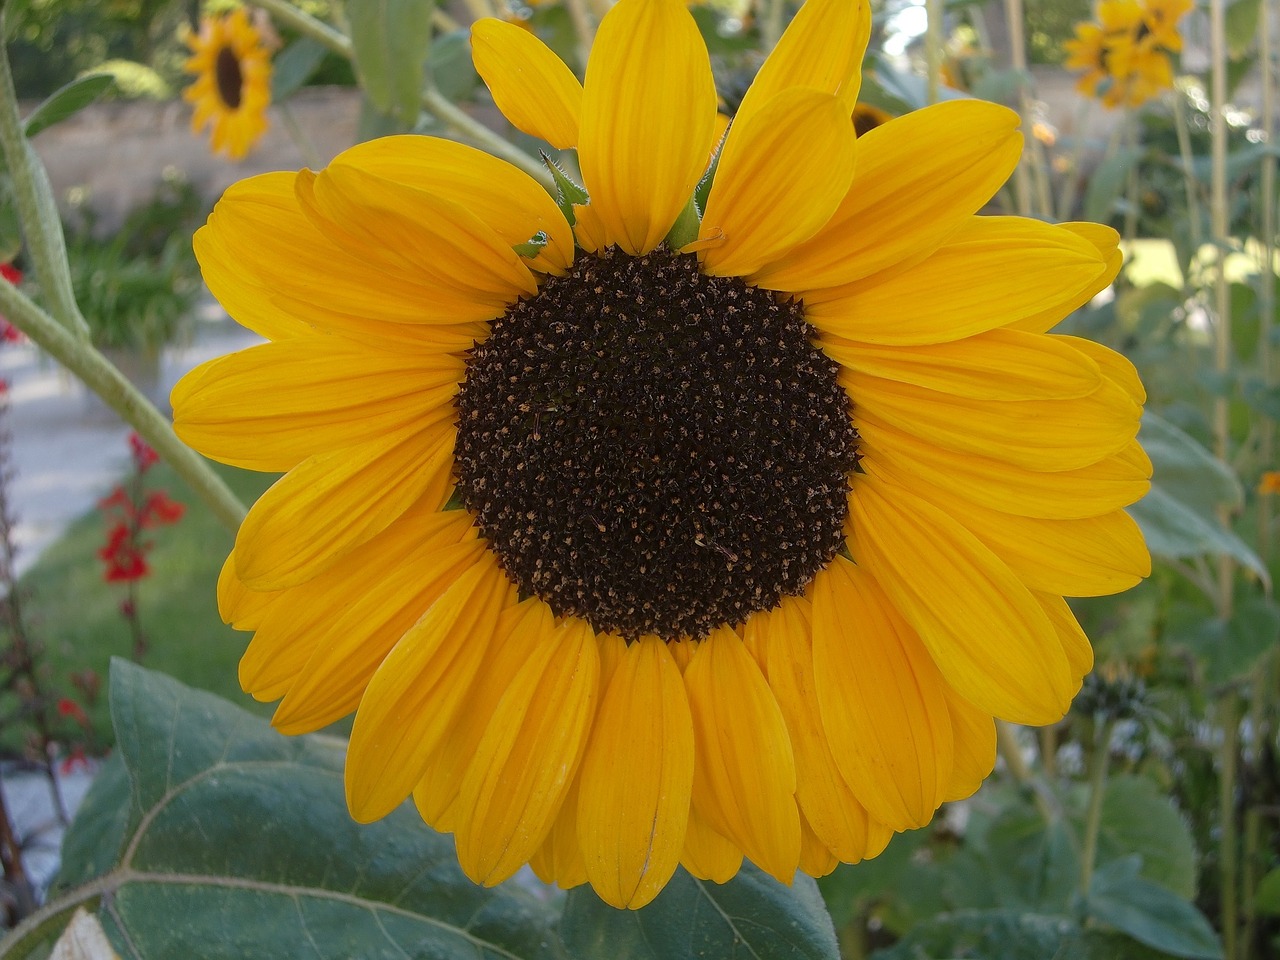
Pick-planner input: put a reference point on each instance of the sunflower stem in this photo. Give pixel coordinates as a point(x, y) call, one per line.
point(37, 210)
point(1229, 723)
point(1099, 763)
point(98, 374)
point(442, 109)
point(1267, 272)
point(1188, 168)
point(1071, 182)
point(1218, 219)
point(308, 26)
point(933, 49)
point(1018, 61)
point(583, 28)
point(770, 17)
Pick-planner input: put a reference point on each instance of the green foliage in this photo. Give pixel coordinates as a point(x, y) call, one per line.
point(138, 287)
point(214, 836)
point(391, 39)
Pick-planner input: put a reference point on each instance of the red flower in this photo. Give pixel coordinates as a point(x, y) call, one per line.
point(143, 455)
point(8, 332)
point(118, 498)
point(159, 510)
point(124, 557)
point(11, 273)
point(69, 708)
point(76, 759)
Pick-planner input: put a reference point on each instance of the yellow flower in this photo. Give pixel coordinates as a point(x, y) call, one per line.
point(1125, 55)
point(628, 557)
point(1161, 17)
point(231, 61)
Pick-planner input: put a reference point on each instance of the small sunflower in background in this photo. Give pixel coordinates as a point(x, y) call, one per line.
point(710, 512)
point(1125, 54)
point(231, 60)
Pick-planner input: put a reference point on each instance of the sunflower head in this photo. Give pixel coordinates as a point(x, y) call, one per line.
point(231, 61)
point(1124, 55)
point(711, 513)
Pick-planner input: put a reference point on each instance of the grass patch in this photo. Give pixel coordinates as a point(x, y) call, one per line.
point(75, 614)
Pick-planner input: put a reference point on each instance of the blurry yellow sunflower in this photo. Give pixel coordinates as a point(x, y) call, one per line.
point(231, 60)
point(1125, 55)
point(646, 540)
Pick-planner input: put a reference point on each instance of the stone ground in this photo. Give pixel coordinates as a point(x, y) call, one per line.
point(66, 452)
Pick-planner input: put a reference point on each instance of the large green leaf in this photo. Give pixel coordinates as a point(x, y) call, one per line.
point(752, 917)
point(1138, 817)
point(1150, 913)
point(293, 67)
point(67, 100)
point(390, 39)
point(985, 935)
point(1178, 515)
point(218, 838)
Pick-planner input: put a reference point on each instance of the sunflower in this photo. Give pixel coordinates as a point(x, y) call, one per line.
point(641, 532)
point(231, 60)
point(1125, 55)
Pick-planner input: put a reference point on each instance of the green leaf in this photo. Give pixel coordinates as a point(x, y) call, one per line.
point(752, 916)
point(451, 68)
point(1241, 26)
point(569, 193)
point(1266, 899)
point(223, 839)
point(984, 934)
point(1179, 514)
point(1107, 183)
point(1020, 861)
point(1229, 649)
point(1137, 817)
point(65, 101)
point(293, 66)
point(1150, 913)
point(390, 39)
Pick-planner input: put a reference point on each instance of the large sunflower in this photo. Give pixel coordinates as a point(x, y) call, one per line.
point(232, 89)
point(629, 556)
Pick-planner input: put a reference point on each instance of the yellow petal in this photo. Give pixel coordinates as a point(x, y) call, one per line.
point(1111, 483)
point(527, 758)
point(412, 699)
point(1046, 435)
point(1115, 365)
point(815, 858)
point(826, 802)
point(588, 229)
point(881, 698)
point(648, 116)
point(745, 780)
point(531, 85)
point(288, 283)
point(331, 503)
point(559, 859)
point(1089, 557)
point(519, 628)
point(821, 50)
point(975, 746)
point(709, 855)
point(996, 365)
point(1074, 642)
point(239, 606)
point(436, 239)
point(781, 174)
point(270, 407)
point(1107, 242)
point(919, 177)
point(988, 635)
point(356, 613)
point(992, 271)
point(636, 777)
point(507, 200)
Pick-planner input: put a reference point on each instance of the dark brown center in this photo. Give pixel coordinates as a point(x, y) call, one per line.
point(653, 449)
point(230, 79)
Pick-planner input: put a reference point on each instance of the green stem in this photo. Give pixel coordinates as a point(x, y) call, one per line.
point(37, 210)
point(1071, 182)
point(308, 26)
point(98, 374)
point(1229, 722)
point(582, 28)
point(933, 49)
point(1013, 17)
point(1101, 760)
point(1131, 180)
point(770, 24)
point(1267, 273)
point(440, 107)
point(1188, 168)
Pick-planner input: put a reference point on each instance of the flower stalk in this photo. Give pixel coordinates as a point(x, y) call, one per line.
point(99, 375)
point(1101, 761)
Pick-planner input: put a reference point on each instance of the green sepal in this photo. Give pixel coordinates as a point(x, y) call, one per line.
point(703, 189)
point(568, 191)
point(685, 229)
point(533, 246)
